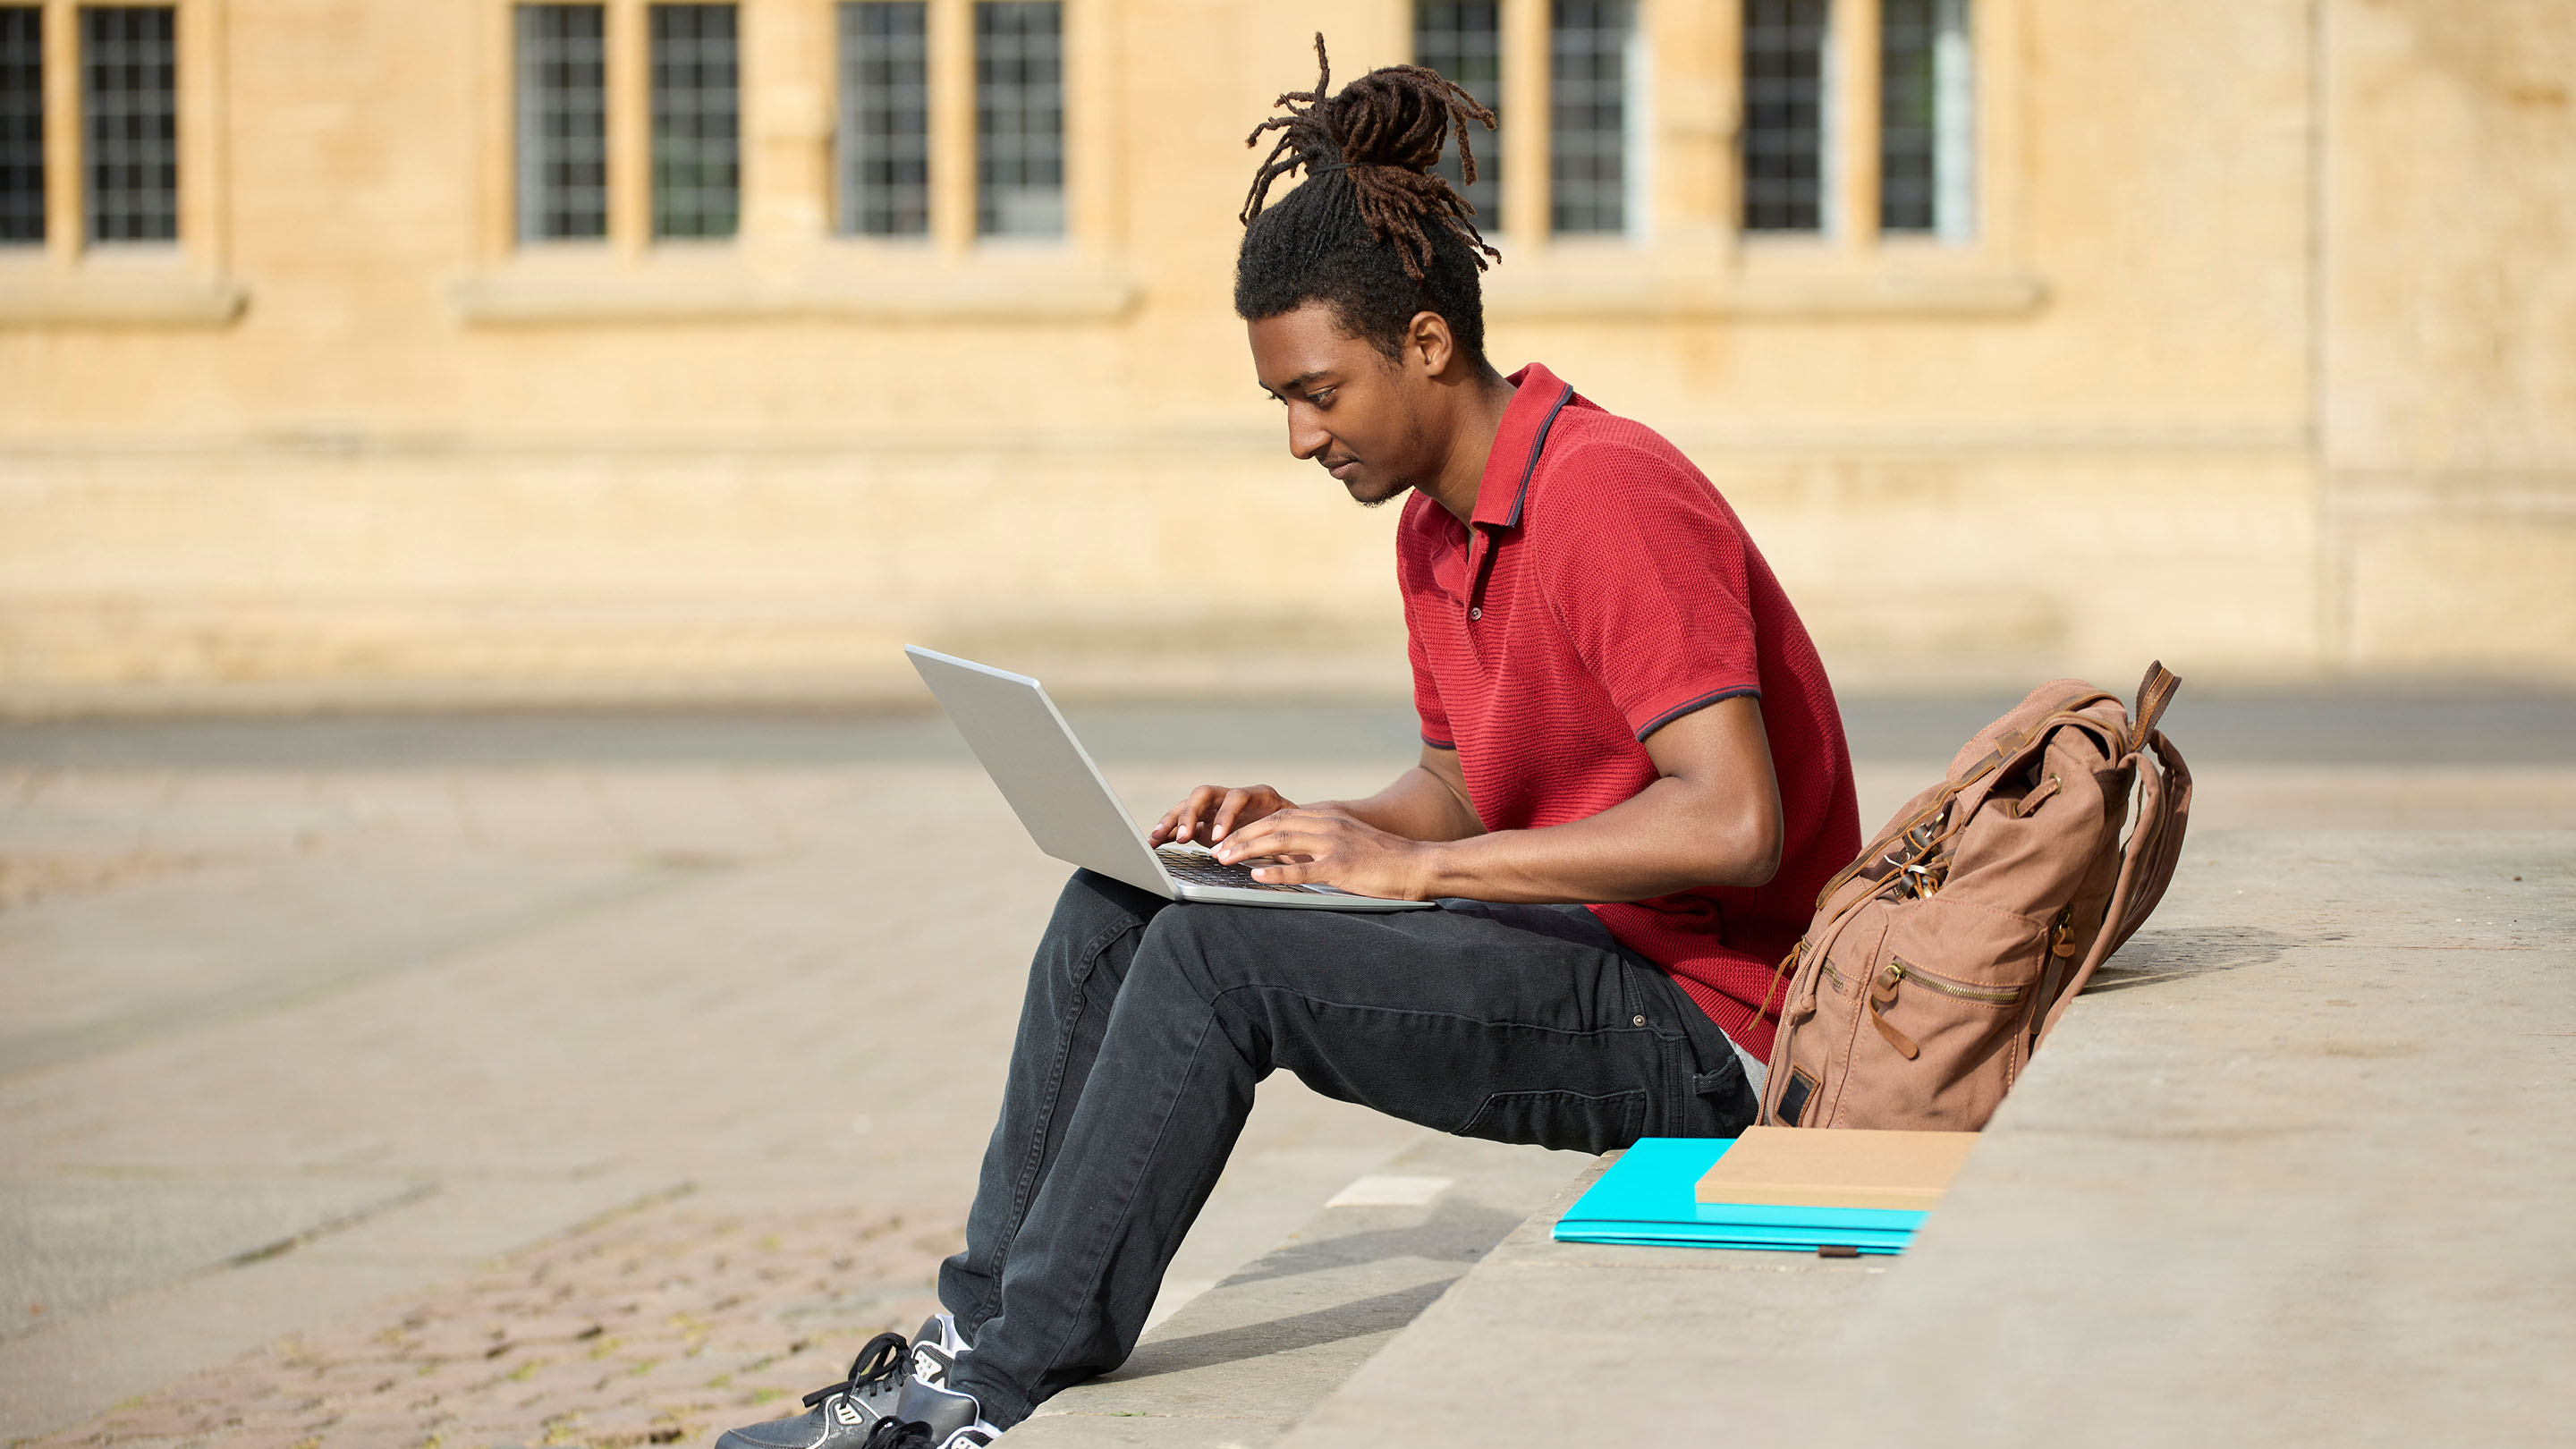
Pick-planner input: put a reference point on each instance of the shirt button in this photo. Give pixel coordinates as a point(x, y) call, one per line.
point(1475, 613)
point(1640, 1021)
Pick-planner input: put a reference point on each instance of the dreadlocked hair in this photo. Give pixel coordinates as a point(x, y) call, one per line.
point(1371, 231)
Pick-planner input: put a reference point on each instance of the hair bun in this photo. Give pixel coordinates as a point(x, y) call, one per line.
point(1385, 131)
point(1398, 116)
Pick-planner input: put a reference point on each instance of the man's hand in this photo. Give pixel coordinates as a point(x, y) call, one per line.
point(1330, 845)
point(1215, 811)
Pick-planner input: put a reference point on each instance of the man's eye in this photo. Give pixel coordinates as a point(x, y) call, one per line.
point(1323, 398)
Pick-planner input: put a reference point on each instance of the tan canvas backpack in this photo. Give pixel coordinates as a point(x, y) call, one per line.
point(1939, 960)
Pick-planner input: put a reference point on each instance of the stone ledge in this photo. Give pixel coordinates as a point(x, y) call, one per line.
point(1645, 1324)
point(1245, 1360)
point(117, 296)
point(1596, 293)
point(1016, 291)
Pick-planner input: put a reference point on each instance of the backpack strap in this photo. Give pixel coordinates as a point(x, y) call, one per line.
point(2154, 693)
point(2155, 843)
point(2165, 849)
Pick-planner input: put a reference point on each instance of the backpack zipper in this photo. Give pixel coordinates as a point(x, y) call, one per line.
point(1900, 969)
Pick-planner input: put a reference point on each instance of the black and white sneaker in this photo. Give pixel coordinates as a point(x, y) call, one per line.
point(845, 1415)
point(935, 1350)
point(896, 1397)
point(932, 1413)
point(933, 1416)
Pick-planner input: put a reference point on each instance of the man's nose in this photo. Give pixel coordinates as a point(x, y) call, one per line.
point(1306, 438)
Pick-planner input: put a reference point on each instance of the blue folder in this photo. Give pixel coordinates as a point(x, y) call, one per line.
point(1650, 1197)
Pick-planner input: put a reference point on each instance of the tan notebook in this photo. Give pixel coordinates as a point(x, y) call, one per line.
point(1837, 1167)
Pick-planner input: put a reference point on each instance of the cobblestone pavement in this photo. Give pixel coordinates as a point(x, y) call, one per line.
point(664, 1324)
point(286, 1056)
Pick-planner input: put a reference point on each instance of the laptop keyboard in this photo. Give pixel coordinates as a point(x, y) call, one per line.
point(1199, 868)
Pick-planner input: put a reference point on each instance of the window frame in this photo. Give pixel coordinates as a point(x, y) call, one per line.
point(1851, 231)
point(526, 198)
point(44, 127)
point(845, 215)
point(70, 280)
point(1635, 222)
point(998, 149)
point(1829, 161)
point(101, 205)
point(661, 106)
point(1953, 230)
point(1689, 253)
point(1526, 42)
point(789, 255)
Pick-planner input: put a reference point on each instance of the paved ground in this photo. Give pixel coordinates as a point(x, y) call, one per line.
point(353, 1072)
point(2460, 726)
point(280, 1045)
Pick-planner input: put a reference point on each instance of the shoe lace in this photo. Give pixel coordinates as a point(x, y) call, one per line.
point(882, 1360)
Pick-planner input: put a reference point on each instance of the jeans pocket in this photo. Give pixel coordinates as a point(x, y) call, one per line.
point(1564, 1121)
point(1723, 1102)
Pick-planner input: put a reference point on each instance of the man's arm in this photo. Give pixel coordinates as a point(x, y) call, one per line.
point(1712, 817)
point(1427, 802)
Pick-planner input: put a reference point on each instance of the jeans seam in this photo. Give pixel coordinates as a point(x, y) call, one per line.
point(1669, 1090)
point(1068, 1024)
point(1090, 1274)
point(1614, 1028)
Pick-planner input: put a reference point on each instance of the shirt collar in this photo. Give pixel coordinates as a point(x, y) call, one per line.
point(1540, 396)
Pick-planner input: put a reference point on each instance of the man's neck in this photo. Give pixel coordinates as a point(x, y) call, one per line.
point(1479, 416)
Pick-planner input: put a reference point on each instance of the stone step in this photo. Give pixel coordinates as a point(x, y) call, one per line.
point(1542, 1339)
point(1241, 1363)
point(2296, 1174)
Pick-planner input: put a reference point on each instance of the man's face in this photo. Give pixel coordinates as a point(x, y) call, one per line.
point(1350, 409)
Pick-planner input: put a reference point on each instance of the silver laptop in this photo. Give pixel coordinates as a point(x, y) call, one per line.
point(1069, 810)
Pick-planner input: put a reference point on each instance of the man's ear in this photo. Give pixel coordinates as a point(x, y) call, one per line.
point(1427, 341)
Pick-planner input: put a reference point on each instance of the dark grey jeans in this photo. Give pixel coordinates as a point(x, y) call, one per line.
point(1147, 1024)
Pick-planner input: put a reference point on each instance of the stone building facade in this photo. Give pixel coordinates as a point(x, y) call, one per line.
point(374, 350)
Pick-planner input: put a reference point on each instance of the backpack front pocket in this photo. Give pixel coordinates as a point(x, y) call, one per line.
point(1945, 1029)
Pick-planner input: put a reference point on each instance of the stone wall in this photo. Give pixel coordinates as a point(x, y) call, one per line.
point(2262, 360)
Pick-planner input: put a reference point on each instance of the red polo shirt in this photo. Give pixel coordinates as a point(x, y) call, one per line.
point(1604, 591)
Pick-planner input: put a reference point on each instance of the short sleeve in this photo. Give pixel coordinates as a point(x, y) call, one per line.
point(1648, 574)
point(1426, 696)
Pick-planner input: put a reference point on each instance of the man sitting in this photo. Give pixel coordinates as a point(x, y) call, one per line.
point(1618, 706)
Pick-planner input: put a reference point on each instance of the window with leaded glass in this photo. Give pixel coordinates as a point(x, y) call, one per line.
point(562, 65)
point(1926, 122)
point(1588, 160)
point(884, 136)
point(696, 98)
point(1019, 118)
point(22, 124)
point(1784, 136)
point(130, 122)
point(1462, 39)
